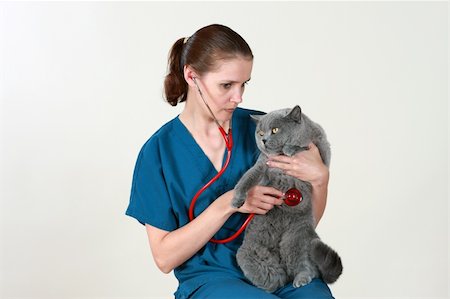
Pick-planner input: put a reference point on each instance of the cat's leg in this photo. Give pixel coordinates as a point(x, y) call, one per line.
point(261, 265)
point(295, 252)
point(290, 150)
point(248, 180)
point(305, 275)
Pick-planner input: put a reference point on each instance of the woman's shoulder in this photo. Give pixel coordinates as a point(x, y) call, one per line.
point(245, 112)
point(164, 133)
point(242, 118)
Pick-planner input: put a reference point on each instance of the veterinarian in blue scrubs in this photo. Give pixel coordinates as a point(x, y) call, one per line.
point(189, 150)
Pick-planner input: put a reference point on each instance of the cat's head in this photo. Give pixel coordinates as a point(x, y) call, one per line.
point(281, 128)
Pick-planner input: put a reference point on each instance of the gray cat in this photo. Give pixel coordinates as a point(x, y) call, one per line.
point(282, 246)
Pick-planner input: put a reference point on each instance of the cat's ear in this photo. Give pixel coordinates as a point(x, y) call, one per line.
point(295, 114)
point(255, 117)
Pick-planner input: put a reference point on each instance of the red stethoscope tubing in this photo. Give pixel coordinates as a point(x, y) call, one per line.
point(229, 144)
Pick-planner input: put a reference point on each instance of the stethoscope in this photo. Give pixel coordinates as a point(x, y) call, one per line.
point(292, 197)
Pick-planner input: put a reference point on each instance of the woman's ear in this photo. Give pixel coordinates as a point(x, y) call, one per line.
point(189, 75)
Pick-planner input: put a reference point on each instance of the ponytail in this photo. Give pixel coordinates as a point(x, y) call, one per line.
point(201, 51)
point(175, 87)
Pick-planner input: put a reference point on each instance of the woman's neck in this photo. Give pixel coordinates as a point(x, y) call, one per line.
point(197, 118)
point(200, 126)
point(204, 130)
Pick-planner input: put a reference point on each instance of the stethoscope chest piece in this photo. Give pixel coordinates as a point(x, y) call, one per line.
point(293, 197)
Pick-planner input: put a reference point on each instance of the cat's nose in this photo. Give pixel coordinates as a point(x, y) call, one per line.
point(264, 141)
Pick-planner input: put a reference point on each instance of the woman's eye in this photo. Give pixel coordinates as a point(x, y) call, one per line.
point(226, 85)
point(261, 133)
point(274, 130)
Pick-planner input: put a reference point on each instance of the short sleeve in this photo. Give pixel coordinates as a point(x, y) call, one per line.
point(150, 200)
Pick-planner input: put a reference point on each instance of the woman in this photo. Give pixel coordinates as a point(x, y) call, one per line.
point(210, 68)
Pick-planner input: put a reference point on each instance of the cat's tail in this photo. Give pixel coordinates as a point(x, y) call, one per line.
point(327, 260)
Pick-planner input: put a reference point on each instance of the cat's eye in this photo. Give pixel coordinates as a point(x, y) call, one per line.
point(261, 133)
point(274, 130)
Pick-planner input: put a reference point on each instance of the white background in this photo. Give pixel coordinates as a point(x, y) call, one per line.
point(81, 91)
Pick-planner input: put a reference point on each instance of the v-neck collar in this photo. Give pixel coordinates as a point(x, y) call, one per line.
point(203, 162)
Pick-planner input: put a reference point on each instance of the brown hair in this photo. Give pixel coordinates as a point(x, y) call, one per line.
point(201, 51)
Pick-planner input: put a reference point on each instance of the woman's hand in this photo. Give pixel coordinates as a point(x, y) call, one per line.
point(261, 199)
point(305, 165)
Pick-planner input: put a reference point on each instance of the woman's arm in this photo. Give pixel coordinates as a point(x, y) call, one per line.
point(171, 249)
point(319, 195)
point(307, 166)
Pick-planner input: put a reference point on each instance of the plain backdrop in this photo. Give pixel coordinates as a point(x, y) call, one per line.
point(81, 91)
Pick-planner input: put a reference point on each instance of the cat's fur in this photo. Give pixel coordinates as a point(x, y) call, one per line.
point(282, 246)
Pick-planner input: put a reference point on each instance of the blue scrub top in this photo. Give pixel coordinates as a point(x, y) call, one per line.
point(170, 169)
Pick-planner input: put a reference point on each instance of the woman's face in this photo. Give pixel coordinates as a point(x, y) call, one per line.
point(223, 88)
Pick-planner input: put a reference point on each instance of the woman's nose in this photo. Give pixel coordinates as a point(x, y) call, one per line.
point(237, 96)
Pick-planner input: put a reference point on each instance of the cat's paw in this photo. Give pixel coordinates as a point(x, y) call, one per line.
point(290, 150)
point(302, 279)
point(238, 199)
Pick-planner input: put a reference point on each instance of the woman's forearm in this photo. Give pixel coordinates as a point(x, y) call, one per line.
point(176, 247)
point(319, 196)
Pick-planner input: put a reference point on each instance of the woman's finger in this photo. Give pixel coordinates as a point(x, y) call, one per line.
point(312, 146)
point(273, 201)
point(263, 202)
point(280, 165)
point(260, 211)
point(270, 191)
point(265, 206)
point(258, 208)
point(280, 159)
